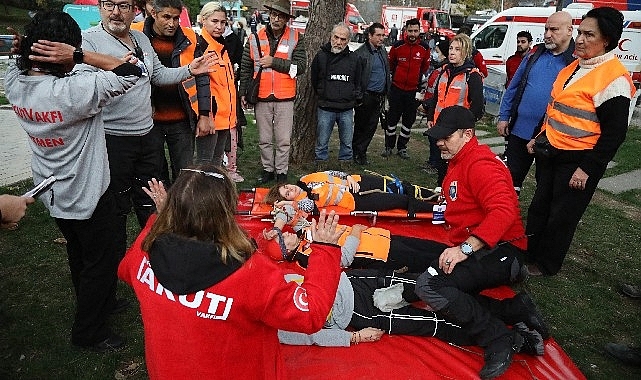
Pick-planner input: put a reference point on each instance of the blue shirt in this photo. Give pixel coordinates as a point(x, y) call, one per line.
point(536, 94)
point(377, 77)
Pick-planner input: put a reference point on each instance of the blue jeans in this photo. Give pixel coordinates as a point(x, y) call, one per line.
point(326, 120)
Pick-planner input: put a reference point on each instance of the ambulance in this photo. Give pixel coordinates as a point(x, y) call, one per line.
point(496, 39)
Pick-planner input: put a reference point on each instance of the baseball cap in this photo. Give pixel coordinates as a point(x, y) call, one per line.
point(451, 119)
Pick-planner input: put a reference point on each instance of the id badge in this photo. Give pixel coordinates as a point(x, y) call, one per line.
point(282, 49)
point(438, 214)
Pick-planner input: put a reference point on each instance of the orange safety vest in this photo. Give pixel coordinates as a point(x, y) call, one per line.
point(571, 122)
point(330, 190)
point(186, 56)
point(281, 85)
point(222, 85)
point(374, 243)
point(456, 94)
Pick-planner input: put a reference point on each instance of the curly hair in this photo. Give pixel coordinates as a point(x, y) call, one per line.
point(54, 26)
point(201, 205)
point(610, 23)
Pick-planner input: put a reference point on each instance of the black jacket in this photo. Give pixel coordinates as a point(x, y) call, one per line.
point(202, 81)
point(336, 78)
point(366, 53)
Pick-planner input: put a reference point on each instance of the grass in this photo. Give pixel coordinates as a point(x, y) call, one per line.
point(582, 304)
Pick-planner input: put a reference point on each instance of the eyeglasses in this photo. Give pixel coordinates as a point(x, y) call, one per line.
point(207, 174)
point(278, 15)
point(109, 6)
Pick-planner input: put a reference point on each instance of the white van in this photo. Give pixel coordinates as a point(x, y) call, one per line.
point(496, 39)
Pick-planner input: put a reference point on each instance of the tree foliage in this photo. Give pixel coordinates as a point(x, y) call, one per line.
point(323, 15)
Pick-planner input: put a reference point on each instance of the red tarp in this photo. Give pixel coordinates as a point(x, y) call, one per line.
point(86, 2)
point(407, 357)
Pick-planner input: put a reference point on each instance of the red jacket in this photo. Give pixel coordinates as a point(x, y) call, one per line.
point(228, 329)
point(407, 63)
point(481, 200)
point(512, 64)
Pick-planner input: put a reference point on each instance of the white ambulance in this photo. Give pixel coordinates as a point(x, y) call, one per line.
point(496, 39)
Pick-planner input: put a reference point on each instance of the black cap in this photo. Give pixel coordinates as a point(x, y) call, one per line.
point(451, 119)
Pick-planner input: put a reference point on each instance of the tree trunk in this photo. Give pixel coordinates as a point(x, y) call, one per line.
point(323, 15)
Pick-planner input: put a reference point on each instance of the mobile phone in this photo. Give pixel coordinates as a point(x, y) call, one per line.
point(41, 187)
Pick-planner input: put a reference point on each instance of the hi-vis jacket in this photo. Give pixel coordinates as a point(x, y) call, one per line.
point(454, 90)
point(186, 48)
point(571, 121)
point(221, 83)
point(329, 190)
point(281, 85)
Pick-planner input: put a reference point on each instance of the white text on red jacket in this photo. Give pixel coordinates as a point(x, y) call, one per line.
point(218, 307)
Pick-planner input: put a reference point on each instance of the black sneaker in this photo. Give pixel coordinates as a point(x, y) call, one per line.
point(532, 340)
point(265, 177)
point(402, 153)
point(631, 291)
point(498, 355)
point(281, 178)
point(361, 160)
point(112, 344)
point(534, 319)
point(387, 152)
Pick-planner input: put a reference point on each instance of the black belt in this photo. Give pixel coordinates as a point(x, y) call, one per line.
point(378, 94)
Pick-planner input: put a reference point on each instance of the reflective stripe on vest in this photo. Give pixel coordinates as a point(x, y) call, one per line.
point(374, 243)
point(331, 191)
point(571, 122)
point(186, 56)
point(281, 85)
point(455, 94)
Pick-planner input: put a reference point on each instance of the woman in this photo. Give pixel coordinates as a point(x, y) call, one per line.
point(586, 122)
point(223, 87)
point(354, 192)
point(210, 308)
point(62, 115)
point(377, 301)
point(460, 84)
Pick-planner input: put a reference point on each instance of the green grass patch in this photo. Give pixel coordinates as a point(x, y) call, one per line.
point(582, 303)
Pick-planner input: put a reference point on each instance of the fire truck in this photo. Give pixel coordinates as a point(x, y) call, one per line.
point(432, 20)
point(300, 10)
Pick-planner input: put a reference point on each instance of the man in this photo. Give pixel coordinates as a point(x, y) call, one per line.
point(181, 111)
point(282, 58)
point(523, 44)
point(525, 100)
point(487, 247)
point(134, 147)
point(336, 78)
point(393, 34)
point(376, 82)
point(408, 60)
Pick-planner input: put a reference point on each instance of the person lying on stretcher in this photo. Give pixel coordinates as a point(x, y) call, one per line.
point(373, 302)
point(355, 192)
point(374, 247)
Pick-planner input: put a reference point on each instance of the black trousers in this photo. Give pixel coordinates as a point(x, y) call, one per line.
point(365, 122)
point(93, 260)
point(379, 201)
point(518, 159)
point(456, 295)
point(556, 209)
point(401, 104)
point(408, 320)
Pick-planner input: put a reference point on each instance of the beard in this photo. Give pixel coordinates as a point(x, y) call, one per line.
point(550, 46)
point(116, 29)
point(446, 155)
point(337, 49)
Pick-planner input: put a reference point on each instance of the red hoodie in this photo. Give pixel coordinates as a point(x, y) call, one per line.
point(481, 200)
point(225, 326)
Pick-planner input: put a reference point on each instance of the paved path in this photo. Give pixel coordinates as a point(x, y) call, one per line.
point(15, 155)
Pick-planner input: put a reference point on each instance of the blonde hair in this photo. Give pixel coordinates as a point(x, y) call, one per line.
point(466, 44)
point(210, 8)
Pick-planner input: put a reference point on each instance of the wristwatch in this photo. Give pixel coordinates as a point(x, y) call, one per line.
point(467, 248)
point(78, 56)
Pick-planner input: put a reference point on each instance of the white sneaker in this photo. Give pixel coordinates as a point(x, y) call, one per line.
point(235, 177)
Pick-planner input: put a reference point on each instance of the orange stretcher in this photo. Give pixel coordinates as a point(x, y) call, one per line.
point(251, 202)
